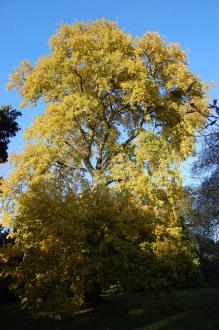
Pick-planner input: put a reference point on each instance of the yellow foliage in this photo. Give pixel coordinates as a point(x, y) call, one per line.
point(93, 197)
point(100, 84)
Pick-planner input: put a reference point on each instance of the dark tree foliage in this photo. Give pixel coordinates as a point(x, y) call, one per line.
point(206, 195)
point(205, 222)
point(5, 278)
point(8, 128)
point(209, 258)
point(3, 236)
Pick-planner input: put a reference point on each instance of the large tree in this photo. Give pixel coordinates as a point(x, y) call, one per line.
point(95, 192)
point(103, 89)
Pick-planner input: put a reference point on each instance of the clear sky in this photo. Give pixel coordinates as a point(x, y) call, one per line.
point(26, 25)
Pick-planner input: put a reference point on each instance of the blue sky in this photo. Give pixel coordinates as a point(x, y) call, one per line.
point(25, 27)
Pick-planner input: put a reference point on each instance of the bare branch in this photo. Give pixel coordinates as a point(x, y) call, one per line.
point(81, 79)
point(89, 166)
point(100, 151)
point(112, 181)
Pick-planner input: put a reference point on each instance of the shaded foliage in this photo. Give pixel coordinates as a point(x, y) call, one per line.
point(8, 128)
point(208, 251)
point(204, 218)
point(83, 246)
point(206, 195)
point(5, 268)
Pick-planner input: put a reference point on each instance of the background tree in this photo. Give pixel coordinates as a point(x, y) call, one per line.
point(8, 128)
point(99, 175)
point(205, 195)
point(205, 212)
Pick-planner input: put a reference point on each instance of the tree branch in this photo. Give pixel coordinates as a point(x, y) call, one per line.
point(86, 159)
point(100, 151)
point(81, 79)
point(111, 181)
point(134, 134)
point(126, 143)
point(83, 133)
point(60, 164)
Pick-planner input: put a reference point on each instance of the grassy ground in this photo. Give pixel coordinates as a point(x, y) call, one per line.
point(181, 309)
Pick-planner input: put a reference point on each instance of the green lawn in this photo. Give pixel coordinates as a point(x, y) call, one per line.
point(181, 309)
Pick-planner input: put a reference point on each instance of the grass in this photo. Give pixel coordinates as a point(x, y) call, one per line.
point(180, 309)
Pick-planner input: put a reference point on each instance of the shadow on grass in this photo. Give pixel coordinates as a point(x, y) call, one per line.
point(181, 309)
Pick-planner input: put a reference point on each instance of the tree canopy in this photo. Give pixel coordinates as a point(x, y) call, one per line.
point(94, 198)
point(106, 90)
point(8, 128)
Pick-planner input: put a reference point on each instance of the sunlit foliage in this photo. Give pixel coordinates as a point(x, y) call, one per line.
point(93, 200)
